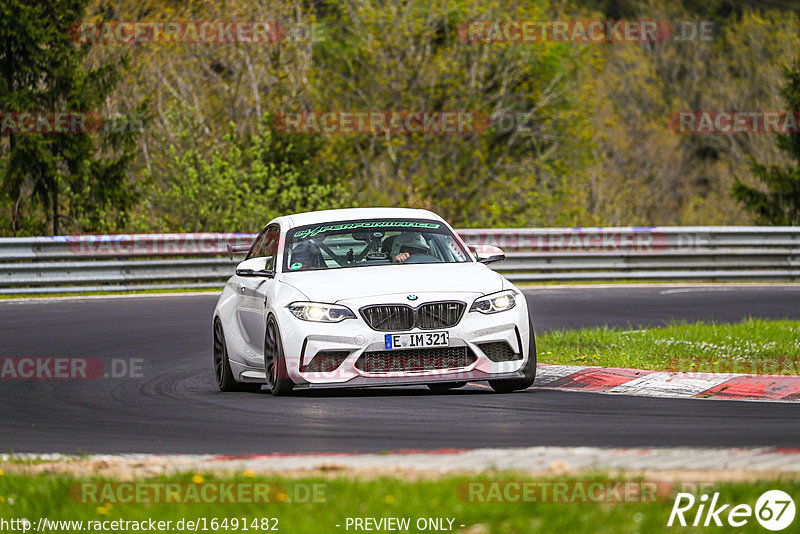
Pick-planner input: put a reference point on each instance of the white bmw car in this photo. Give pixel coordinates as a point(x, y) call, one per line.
point(369, 297)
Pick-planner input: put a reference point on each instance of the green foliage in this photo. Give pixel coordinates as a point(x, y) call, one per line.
point(719, 10)
point(74, 182)
point(780, 203)
point(578, 136)
point(522, 171)
point(645, 173)
point(237, 185)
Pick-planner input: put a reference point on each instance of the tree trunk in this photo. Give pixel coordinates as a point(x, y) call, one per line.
point(16, 216)
point(55, 208)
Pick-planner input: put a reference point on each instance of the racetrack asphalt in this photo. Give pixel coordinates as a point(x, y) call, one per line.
point(174, 407)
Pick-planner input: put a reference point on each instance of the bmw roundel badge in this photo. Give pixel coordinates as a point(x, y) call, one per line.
point(412, 297)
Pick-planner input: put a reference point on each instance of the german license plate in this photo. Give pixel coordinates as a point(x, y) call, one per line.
point(416, 341)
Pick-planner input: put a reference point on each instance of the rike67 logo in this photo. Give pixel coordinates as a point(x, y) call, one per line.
point(774, 510)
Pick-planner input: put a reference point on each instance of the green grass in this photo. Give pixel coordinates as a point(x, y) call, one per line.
point(755, 346)
point(13, 459)
point(48, 496)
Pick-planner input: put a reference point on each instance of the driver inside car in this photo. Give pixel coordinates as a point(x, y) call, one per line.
point(408, 244)
point(307, 255)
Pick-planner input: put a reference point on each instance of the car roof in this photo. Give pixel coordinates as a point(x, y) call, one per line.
point(327, 216)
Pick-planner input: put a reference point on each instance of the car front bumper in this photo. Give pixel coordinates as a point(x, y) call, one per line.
point(303, 340)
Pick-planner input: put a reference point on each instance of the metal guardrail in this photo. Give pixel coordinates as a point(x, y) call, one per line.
point(69, 264)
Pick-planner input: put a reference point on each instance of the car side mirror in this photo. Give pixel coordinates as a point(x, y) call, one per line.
point(488, 254)
point(236, 249)
point(255, 267)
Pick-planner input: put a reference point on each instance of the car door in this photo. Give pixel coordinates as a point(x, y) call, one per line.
point(252, 291)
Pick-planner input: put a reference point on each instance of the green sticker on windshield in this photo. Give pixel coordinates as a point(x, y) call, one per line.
point(311, 232)
point(295, 266)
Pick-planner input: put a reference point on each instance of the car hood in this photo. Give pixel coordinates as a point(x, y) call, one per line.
point(353, 283)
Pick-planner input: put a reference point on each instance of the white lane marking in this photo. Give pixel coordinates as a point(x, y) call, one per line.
point(694, 290)
point(793, 287)
point(543, 288)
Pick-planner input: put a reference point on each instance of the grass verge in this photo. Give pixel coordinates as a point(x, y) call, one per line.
point(318, 505)
point(756, 346)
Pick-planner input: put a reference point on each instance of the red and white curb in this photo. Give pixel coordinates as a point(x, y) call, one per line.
point(669, 384)
point(531, 459)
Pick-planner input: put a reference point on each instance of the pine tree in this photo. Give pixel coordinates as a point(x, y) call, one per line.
point(51, 178)
point(780, 203)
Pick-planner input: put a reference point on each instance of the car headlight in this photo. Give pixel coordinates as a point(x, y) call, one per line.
point(496, 302)
point(319, 312)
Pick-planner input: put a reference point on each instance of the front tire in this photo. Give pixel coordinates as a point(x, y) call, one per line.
point(278, 380)
point(529, 371)
point(222, 364)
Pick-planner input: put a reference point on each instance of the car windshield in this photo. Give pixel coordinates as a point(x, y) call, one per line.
point(367, 242)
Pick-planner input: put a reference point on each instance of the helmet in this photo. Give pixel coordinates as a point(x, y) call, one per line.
point(411, 242)
point(308, 256)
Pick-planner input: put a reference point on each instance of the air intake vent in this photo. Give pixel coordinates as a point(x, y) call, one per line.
point(325, 361)
point(393, 361)
point(499, 351)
